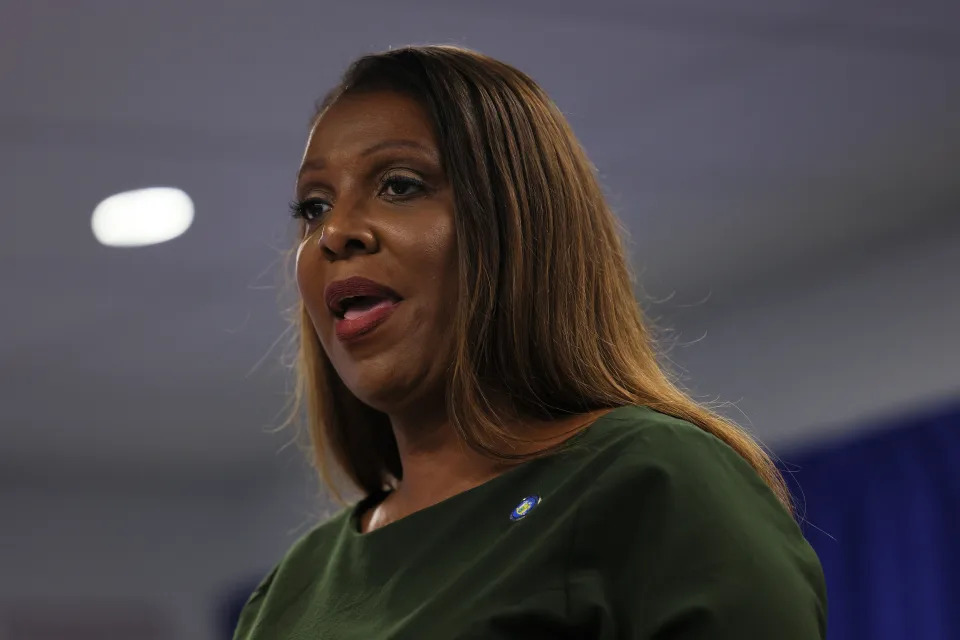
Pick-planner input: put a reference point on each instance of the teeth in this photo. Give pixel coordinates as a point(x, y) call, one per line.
point(348, 302)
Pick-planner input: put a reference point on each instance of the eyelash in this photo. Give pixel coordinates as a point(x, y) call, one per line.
point(303, 208)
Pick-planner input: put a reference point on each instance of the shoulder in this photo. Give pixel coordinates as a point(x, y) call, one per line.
point(654, 467)
point(675, 521)
point(638, 447)
point(293, 572)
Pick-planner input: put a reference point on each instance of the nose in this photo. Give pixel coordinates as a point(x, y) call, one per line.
point(346, 232)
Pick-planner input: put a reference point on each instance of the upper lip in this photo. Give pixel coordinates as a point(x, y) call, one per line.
point(339, 290)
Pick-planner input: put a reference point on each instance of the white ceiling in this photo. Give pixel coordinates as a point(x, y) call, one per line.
point(737, 142)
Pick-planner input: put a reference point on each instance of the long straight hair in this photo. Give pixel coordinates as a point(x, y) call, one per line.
point(546, 324)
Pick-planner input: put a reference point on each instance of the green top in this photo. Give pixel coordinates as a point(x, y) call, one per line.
point(646, 527)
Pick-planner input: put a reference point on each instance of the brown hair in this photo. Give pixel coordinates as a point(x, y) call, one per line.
point(547, 322)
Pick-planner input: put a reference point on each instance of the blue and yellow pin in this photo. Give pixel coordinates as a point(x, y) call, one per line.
point(525, 506)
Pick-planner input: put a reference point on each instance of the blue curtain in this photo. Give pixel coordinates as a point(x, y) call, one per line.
point(883, 513)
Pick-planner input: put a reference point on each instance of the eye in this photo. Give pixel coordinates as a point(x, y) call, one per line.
point(309, 209)
point(401, 187)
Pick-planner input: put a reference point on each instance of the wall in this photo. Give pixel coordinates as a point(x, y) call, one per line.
point(814, 360)
point(173, 549)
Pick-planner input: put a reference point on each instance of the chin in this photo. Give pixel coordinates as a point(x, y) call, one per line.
point(394, 394)
point(376, 387)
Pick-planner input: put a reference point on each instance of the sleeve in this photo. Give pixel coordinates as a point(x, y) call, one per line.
point(690, 544)
point(250, 613)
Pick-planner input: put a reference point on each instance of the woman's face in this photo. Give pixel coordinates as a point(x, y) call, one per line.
point(378, 206)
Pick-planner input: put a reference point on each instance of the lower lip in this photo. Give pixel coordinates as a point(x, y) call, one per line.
point(356, 328)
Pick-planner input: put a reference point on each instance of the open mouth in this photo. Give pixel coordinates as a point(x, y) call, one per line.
point(361, 315)
point(354, 307)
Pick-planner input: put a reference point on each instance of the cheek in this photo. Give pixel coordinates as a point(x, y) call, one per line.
point(441, 264)
point(298, 265)
point(310, 281)
point(439, 250)
point(450, 267)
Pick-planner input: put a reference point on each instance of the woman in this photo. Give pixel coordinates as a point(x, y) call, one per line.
point(473, 360)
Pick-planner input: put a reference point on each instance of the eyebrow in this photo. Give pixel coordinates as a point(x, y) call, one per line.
point(386, 144)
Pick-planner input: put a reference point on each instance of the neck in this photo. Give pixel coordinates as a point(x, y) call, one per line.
point(438, 464)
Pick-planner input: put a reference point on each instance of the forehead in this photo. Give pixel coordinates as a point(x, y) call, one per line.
point(356, 121)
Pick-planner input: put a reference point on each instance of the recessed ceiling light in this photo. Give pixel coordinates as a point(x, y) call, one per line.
point(142, 217)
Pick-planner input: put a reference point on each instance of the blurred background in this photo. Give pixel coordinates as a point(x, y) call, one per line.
point(788, 172)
